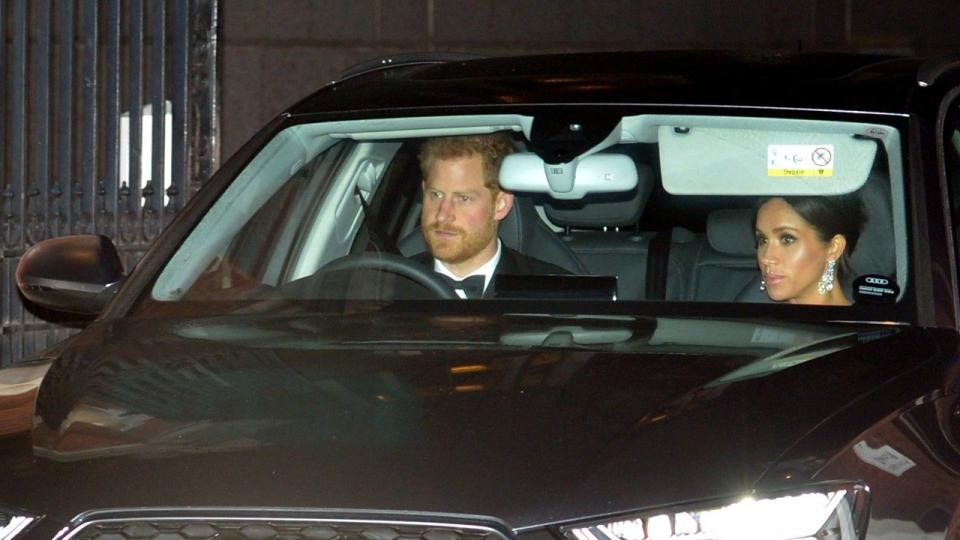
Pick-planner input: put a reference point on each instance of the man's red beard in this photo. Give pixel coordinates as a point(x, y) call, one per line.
point(459, 247)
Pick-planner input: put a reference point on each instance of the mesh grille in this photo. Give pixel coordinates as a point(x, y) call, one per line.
point(193, 529)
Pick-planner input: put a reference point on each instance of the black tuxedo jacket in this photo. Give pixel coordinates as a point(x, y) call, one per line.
point(511, 262)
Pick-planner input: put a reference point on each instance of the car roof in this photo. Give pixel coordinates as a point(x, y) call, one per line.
point(832, 81)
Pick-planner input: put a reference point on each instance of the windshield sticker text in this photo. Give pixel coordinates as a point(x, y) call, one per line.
point(806, 160)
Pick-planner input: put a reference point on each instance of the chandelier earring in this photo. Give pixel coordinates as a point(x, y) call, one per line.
point(825, 284)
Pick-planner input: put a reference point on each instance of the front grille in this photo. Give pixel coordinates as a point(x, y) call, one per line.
point(103, 526)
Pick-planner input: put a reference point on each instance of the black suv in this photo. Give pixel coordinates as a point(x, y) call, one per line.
point(705, 357)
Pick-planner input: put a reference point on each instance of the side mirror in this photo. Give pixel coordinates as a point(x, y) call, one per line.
point(72, 274)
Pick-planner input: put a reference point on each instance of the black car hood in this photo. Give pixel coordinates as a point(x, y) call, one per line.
point(530, 419)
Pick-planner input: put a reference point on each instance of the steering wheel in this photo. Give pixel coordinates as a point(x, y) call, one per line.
point(395, 264)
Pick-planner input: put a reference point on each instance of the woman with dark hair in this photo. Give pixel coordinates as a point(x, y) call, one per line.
point(804, 244)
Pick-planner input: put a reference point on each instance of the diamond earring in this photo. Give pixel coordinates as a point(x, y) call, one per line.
point(763, 284)
point(825, 284)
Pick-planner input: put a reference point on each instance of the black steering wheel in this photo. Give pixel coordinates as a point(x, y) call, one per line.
point(395, 264)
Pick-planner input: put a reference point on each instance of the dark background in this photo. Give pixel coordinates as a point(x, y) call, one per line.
point(273, 53)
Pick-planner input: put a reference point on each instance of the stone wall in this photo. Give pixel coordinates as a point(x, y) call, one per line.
point(275, 52)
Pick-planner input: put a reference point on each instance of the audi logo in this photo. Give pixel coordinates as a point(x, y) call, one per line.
point(877, 281)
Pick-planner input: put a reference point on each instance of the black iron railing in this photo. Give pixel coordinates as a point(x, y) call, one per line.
point(108, 123)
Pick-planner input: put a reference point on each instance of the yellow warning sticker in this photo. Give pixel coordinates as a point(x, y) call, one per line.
point(800, 160)
point(800, 172)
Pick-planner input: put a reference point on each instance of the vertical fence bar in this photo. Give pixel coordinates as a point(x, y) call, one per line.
point(86, 196)
point(131, 212)
point(6, 350)
point(38, 213)
point(13, 194)
point(40, 216)
point(107, 213)
point(154, 206)
point(181, 51)
point(14, 191)
point(64, 185)
point(3, 96)
point(203, 91)
point(6, 334)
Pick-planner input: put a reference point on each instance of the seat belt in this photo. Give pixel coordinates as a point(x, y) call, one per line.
point(657, 258)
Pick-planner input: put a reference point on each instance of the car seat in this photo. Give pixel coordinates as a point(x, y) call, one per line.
point(725, 260)
point(602, 230)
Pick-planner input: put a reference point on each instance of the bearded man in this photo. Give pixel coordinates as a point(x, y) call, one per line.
point(463, 206)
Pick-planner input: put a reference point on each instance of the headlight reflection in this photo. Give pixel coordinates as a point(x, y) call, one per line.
point(837, 514)
point(13, 524)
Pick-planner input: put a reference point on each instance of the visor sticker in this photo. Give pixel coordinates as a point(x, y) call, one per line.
point(806, 160)
point(875, 289)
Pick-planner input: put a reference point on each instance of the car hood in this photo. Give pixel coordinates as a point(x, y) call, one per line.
point(532, 419)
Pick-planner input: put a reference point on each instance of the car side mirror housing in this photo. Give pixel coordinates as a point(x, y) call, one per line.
point(71, 274)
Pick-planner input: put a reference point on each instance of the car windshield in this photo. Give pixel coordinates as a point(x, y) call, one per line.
point(658, 208)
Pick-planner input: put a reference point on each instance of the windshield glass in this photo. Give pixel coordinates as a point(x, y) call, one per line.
point(680, 208)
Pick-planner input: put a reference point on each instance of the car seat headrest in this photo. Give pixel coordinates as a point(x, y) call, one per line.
point(514, 225)
point(604, 209)
point(730, 231)
point(874, 253)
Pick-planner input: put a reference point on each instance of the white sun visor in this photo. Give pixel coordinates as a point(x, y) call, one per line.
point(713, 160)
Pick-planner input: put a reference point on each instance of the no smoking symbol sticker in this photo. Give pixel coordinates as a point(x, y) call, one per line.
point(821, 157)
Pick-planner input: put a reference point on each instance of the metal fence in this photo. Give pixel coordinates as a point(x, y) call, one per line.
point(108, 123)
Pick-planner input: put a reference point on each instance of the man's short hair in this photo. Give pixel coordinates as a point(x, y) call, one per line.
point(491, 148)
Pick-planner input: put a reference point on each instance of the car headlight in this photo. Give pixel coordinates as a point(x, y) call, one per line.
point(835, 512)
point(13, 522)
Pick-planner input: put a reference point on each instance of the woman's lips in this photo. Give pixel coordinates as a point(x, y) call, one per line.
point(773, 279)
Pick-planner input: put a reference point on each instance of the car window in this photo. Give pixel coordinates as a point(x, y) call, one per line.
point(674, 208)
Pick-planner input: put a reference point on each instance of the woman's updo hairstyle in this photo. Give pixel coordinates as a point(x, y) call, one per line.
point(830, 216)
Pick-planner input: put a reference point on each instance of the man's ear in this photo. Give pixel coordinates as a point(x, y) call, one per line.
point(502, 205)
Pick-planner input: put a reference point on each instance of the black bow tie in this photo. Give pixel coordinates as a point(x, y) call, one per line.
point(471, 286)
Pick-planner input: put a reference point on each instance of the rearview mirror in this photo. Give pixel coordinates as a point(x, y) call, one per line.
point(596, 173)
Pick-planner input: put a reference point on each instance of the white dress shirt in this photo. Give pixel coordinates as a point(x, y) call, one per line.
point(486, 271)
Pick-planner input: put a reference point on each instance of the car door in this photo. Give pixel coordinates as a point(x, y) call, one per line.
point(945, 93)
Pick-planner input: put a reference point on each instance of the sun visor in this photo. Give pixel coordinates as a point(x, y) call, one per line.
point(735, 161)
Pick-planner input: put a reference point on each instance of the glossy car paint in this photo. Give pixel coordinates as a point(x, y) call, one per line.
point(405, 424)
